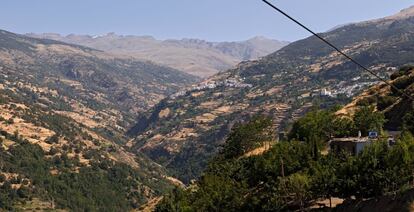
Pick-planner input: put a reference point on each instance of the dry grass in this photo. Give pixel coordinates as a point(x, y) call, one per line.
point(274, 90)
point(34, 134)
point(175, 181)
point(37, 204)
point(209, 104)
point(6, 144)
point(326, 203)
point(124, 157)
point(164, 113)
point(80, 118)
point(183, 134)
point(205, 118)
point(260, 150)
point(350, 108)
point(222, 109)
point(197, 94)
point(151, 204)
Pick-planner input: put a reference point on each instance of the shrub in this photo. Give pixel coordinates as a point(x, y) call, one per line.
point(2, 178)
point(385, 101)
point(404, 82)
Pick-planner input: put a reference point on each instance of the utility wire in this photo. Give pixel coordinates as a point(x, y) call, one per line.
point(338, 50)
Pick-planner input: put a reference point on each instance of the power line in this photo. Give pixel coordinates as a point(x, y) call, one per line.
point(338, 50)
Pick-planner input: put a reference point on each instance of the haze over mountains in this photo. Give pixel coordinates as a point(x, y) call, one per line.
point(198, 57)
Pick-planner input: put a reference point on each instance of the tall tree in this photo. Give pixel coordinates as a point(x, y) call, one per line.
point(246, 137)
point(367, 119)
point(408, 122)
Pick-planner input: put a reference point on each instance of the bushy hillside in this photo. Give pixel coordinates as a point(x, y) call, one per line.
point(294, 175)
point(183, 131)
point(397, 108)
point(82, 82)
point(300, 173)
point(63, 114)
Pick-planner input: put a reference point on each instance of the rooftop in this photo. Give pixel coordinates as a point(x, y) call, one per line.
point(351, 139)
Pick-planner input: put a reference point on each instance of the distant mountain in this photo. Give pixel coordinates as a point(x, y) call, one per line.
point(64, 109)
point(193, 56)
point(182, 132)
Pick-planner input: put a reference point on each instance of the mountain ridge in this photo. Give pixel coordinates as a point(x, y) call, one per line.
point(64, 110)
point(285, 84)
point(195, 56)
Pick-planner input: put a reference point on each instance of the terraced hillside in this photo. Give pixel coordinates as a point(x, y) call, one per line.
point(90, 86)
point(252, 174)
point(63, 114)
point(186, 129)
point(397, 108)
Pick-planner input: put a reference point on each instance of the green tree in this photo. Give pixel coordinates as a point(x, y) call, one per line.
point(297, 186)
point(246, 137)
point(315, 124)
point(408, 122)
point(343, 127)
point(291, 175)
point(367, 119)
point(219, 193)
point(176, 201)
point(324, 179)
point(399, 163)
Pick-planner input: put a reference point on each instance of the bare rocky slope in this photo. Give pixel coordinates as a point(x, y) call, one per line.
point(183, 131)
point(193, 56)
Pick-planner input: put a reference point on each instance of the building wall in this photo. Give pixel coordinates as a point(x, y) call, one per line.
point(360, 146)
point(351, 147)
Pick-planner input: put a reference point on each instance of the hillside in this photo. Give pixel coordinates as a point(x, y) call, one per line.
point(297, 174)
point(184, 130)
point(63, 113)
point(396, 108)
point(86, 82)
point(193, 56)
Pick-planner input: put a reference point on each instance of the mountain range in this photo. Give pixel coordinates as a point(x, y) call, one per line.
point(64, 111)
point(96, 123)
point(183, 131)
point(194, 56)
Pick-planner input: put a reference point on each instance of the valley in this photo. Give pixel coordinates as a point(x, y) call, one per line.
point(308, 170)
point(284, 85)
point(132, 123)
point(68, 107)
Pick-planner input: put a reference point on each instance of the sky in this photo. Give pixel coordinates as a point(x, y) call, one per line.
point(213, 20)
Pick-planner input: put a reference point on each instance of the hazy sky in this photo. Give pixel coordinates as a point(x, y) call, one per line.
point(216, 20)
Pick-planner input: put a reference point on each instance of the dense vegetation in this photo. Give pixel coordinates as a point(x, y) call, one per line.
point(58, 177)
point(292, 174)
point(103, 186)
